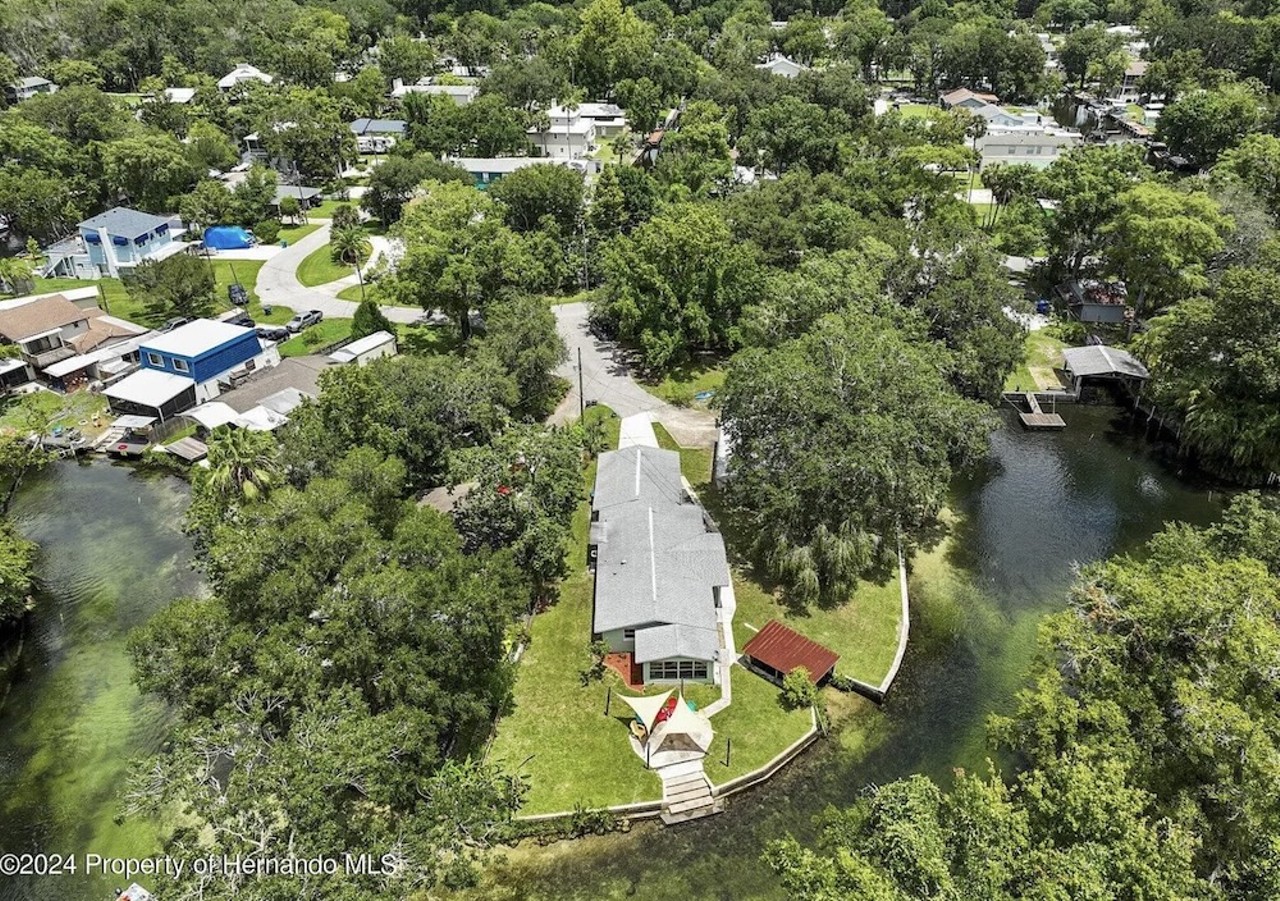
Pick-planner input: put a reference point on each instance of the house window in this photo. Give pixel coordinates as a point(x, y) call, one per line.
point(629, 634)
point(155, 359)
point(677, 669)
point(180, 365)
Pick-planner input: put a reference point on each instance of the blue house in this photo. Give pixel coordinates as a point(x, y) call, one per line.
point(183, 367)
point(200, 350)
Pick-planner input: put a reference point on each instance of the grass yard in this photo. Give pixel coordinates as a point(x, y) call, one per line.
point(295, 233)
point(863, 630)
point(756, 723)
point(918, 111)
point(682, 385)
point(328, 331)
point(319, 268)
point(66, 410)
point(117, 301)
point(1042, 354)
point(324, 210)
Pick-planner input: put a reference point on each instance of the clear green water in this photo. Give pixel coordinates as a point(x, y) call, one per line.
point(111, 555)
point(1043, 502)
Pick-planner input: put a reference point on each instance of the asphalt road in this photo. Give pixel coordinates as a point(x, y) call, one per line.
point(608, 379)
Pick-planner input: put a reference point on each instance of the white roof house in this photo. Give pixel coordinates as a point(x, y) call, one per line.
point(196, 337)
point(243, 72)
point(1037, 149)
point(781, 65)
point(461, 94)
point(149, 388)
point(660, 572)
point(180, 96)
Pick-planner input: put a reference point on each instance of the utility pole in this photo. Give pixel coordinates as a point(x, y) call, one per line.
point(582, 398)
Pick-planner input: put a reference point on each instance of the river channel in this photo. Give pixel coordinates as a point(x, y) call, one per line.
point(1043, 503)
point(112, 554)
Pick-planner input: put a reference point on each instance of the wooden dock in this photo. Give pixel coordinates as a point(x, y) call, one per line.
point(1037, 418)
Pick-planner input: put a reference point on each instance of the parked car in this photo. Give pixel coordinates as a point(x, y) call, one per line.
point(303, 320)
point(242, 319)
point(174, 323)
point(273, 332)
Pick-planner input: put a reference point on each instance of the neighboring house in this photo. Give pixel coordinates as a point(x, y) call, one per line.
point(26, 88)
point(1132, 75)
point(306, 197)
point(51, 330)
point(364, 351)
point(120, 238)
point(568, 135)
point(1037, 149)
point(661, 574)
point(484, 171)
point(187, 366)
point(608, 118)
point(243, 72)
point(180, 96)
point(781, 65)
point(963, 97)
point(14, 373)
point(107, 363)
point(263, 401)
point(460, 94)
point(1000, 119)
point(377, 135)
point(1091, 300)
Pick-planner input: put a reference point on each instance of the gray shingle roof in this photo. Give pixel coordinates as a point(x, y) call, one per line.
point(378, 126)
point(637, 473)
point(657, 564)
point(125, 222)
point(1102, 360)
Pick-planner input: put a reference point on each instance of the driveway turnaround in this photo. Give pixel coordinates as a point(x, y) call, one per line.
point(607, 379)
point(278, 284)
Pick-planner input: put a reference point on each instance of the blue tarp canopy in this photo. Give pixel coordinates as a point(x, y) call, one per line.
point(227, 237)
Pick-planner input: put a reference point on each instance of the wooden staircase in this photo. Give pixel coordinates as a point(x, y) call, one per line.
point(688, 797)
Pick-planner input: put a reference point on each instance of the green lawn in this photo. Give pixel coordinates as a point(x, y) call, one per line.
point(324, 210)
point(329, 331)
point(319, 268)
point(1042, 355)
point(353, 293)
point(682, 385)
point(117, 301)
point(918, 111)
point(863, 630)
point(66, 410)
point(295, 233)
point(756, 724)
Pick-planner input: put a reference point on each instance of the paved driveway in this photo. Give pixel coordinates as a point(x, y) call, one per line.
point(607, 378)
point(278, 284)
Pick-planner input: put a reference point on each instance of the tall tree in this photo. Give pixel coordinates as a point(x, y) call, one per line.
point(676, 285)
point(179, 285)
point(844, 440)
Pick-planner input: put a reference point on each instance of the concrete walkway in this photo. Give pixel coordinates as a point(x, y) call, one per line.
point(607, 378)
point(637, 431)
point(278, 284)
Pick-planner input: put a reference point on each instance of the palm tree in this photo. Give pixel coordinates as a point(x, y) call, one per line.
point(14, 272)
point(351, 246)
point(242, 463)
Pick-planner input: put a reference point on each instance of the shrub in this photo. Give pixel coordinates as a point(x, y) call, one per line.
point(345, 216)
point(267, 231)
point(797, 690)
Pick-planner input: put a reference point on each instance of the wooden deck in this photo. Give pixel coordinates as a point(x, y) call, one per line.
point(1037, 419)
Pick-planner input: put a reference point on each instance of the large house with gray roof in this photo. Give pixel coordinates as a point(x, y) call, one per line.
point(660, 568)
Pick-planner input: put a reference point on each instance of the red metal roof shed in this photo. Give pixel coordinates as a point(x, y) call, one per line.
point(783, 649)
